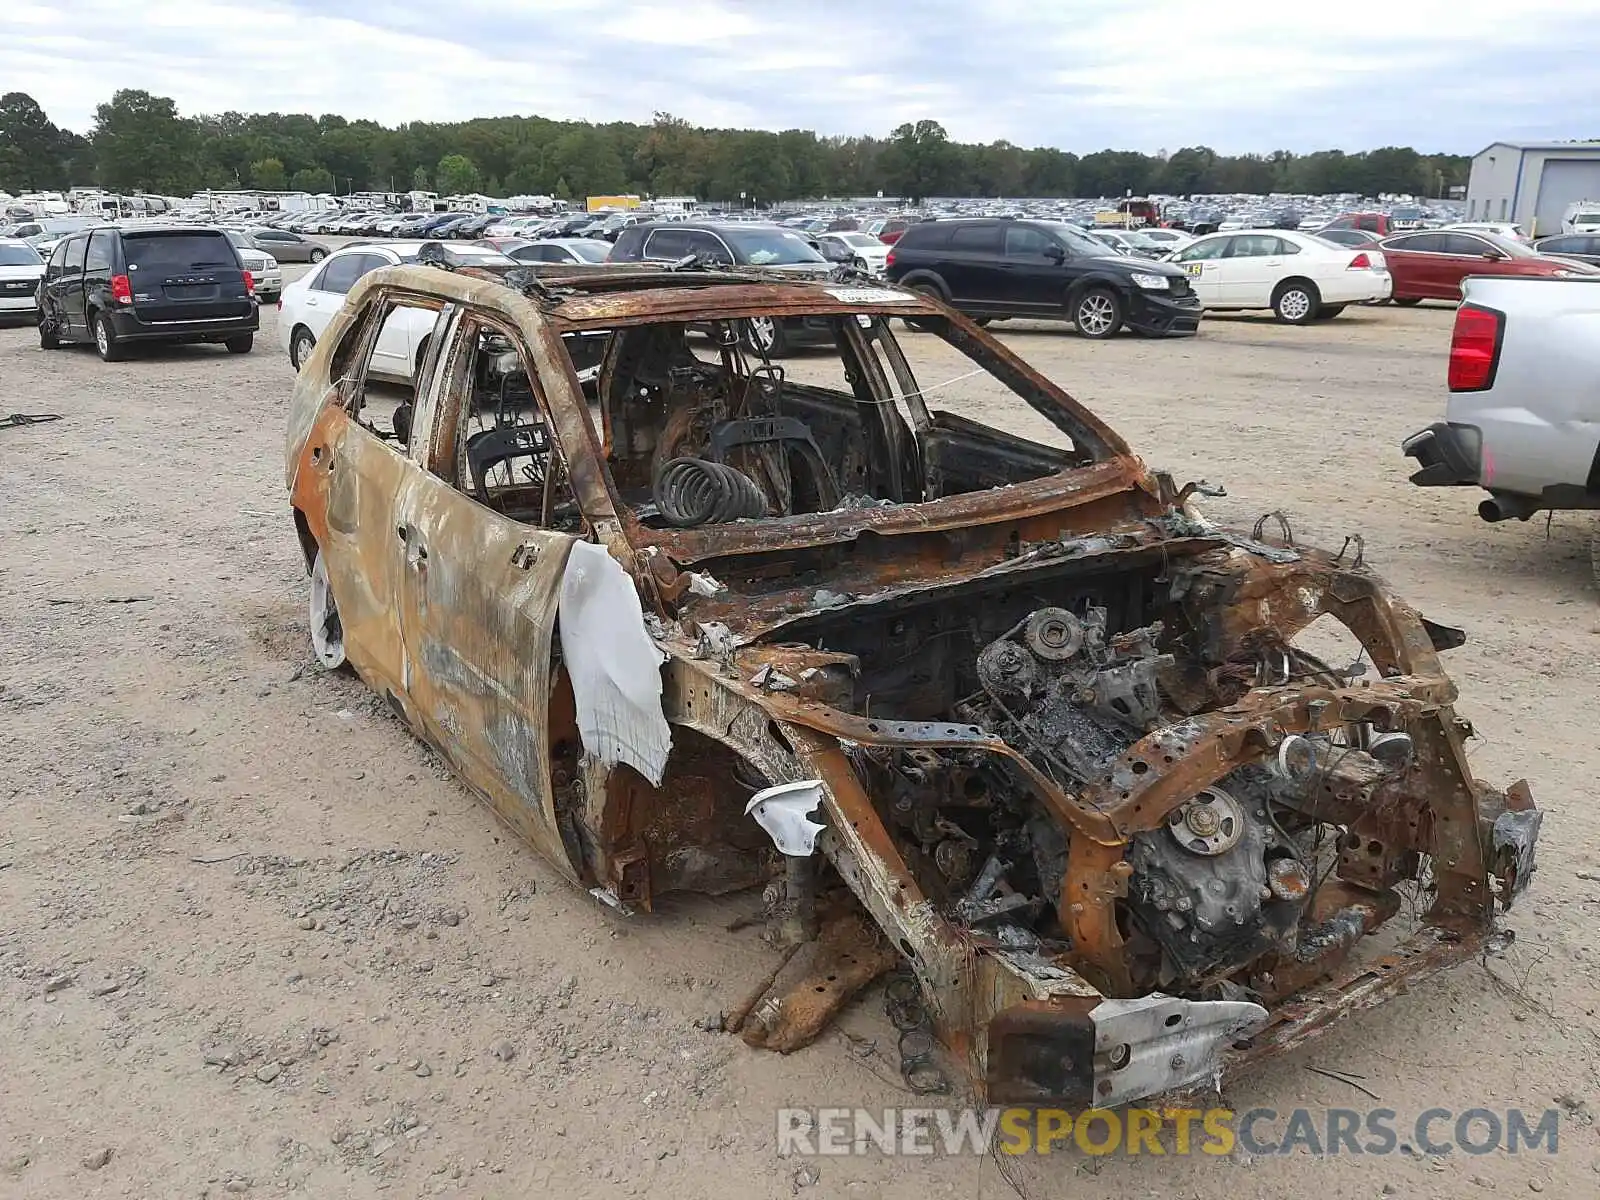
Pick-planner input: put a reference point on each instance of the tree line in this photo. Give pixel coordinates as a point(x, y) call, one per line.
point(140, 142)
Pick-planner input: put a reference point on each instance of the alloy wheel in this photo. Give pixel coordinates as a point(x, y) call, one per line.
point(1095, 314)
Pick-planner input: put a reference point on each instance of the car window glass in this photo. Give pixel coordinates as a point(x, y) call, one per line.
point(932, 235)
point(99, 253)
point(1422, 243)
point(76, 247)
point(709, 246)
point(1022, 241)
point(342, 271)
point(1203, 250)
point(1254, 245)
point(58, 258)
point(176, 252)
point(1368, 223)
point(976, 239)
point(1463, 244)
point(667, 244)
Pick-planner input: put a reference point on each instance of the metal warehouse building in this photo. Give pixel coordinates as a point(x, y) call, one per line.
point(1532, 182)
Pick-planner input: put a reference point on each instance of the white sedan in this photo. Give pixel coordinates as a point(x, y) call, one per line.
point(309, 303)
point(873, 254)
point(1299, 276)
point(21, 268)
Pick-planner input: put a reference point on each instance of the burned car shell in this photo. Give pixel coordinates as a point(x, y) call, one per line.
point(460, 633)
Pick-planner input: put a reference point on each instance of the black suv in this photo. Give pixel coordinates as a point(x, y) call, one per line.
point(990, 268)
point(113, 286)
point(736, 244)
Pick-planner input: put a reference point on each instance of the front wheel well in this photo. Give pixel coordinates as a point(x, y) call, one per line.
point(928, 281)
point(1285, 284)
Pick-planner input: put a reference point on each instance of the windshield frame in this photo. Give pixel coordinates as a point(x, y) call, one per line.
point(1106, 458)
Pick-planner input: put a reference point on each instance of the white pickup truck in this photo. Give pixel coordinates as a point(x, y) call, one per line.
point(1523, 420)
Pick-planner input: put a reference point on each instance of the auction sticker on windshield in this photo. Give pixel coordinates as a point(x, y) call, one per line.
point(868, 295)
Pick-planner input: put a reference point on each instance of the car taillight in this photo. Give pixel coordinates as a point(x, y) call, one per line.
point(1475, 348)
point(121, 289)
point(1360, 263)
point(249, 282)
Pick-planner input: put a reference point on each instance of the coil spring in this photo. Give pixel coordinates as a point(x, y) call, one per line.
point(695, 491)
point(919, 1064)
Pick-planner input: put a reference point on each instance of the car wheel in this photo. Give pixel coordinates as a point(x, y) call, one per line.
point(1296, 302)
point(1407, 301)
point(300, 347)
point(1098, 313)
point(1329, 311)
point(317, 255)
point(49, 339)
point(241, 344)
point(327, 630)
point(765, 335)
point(929, 292)
point(105, 339)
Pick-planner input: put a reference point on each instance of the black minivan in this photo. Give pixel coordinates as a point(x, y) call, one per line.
point(112, 286)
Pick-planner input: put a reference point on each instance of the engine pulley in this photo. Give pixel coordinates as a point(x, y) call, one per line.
point(1210, 824)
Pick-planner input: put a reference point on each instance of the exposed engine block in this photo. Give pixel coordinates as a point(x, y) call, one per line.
point(1078, 698)
point(1219, 884)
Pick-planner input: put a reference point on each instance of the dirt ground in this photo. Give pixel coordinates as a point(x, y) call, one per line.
point(254, 939)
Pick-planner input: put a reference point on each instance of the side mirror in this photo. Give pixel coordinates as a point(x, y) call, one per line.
point(1055, 254)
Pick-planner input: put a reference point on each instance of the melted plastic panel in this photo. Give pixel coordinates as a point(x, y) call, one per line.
point(614, 665)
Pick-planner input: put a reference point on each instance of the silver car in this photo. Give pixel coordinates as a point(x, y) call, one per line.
point(287, 246)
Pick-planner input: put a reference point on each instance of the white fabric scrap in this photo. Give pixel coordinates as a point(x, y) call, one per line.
point(614, 665)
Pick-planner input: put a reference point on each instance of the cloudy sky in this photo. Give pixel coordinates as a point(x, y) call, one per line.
point(1237, 75)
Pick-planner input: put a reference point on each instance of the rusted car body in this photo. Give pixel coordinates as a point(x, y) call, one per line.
point(689, 624)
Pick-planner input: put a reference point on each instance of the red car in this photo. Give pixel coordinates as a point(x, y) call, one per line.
point(1379, 223)
point(1431, 265)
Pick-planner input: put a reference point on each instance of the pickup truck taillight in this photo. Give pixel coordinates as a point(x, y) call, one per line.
point(121, 290)
point(1475, 348)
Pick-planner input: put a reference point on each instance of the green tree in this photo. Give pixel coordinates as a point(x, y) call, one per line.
point(312, 179)
point(920, 158)
point(456, 175)
point(268, 173)
point(1190, 170)
point(31, 148)
point(141, 142)
point(419, 180)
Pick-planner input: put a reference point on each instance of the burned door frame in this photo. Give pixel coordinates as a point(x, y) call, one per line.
point(477, 602)
point(360, 478)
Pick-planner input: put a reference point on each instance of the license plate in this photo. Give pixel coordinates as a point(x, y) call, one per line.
point(1194, 269)
point(199, 292)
